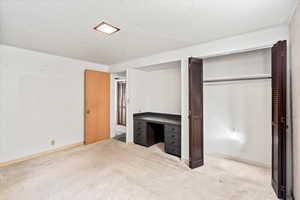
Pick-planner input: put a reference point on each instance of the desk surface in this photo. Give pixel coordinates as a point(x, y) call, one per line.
point(159, 118)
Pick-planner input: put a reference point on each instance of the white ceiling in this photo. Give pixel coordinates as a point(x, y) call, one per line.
point(148, 27)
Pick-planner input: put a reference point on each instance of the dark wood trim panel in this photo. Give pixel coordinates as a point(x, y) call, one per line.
point(196, 113)
point(176, 116)
point(279, 124)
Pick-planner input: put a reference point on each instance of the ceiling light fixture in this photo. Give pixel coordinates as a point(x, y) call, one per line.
point(106, 28)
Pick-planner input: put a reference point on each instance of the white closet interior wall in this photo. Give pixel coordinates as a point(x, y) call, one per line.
point(237, 114)
point(153, 89)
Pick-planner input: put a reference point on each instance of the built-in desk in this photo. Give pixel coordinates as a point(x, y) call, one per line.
point(152, 128)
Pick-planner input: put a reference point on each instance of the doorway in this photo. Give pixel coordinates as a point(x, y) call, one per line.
point(119, 106)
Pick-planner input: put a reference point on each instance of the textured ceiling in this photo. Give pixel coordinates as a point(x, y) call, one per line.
point(148, 27)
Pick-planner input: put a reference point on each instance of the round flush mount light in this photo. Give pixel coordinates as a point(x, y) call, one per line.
point(106, 28)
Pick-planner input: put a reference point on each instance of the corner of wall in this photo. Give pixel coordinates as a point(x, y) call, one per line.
point(1, 102)
point(184, 109)
point(294, 10)
point(294, 67)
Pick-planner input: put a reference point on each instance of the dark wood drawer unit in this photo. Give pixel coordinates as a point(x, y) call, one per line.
point(174, 150)
point(173, 139)
point(173, 129)
point(140, 132)
point(140, 138)
point(152, 128)
point(139, 124)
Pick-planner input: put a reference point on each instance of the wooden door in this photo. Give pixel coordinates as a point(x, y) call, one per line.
point(196, 112)
point(279, 125)
point(96, 106)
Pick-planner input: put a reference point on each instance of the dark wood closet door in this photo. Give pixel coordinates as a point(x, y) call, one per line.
point(196, 112)
point(279, 127)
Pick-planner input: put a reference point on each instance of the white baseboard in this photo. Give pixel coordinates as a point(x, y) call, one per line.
point(250, 162)
point(10, 162)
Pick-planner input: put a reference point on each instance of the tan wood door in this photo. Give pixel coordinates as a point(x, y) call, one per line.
point(97, 87)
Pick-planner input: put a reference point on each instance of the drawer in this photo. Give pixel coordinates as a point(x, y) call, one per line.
point(169, 140)
point(172, 136)
point(140, 129)
point(174, 150)
point(139, 125)
point(172, 129)
point(140, 133)
point(140, 138)
point(140, 141)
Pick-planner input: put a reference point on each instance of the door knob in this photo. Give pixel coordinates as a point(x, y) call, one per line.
point(88, 112)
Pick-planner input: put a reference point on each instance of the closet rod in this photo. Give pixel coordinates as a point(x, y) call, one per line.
point(238, 79)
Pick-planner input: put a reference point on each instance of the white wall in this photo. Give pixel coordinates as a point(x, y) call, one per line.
point(295, 67)
point(237, 115)
point(153, 91)
point(156, 91)
point(41, 99)
point(163, 91)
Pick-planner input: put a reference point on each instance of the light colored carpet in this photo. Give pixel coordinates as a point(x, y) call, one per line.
point(115, 171)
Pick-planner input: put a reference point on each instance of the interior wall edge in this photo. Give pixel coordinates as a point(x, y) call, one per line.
point(58, 56)
point(293, 13)
point(263, 38)
point(185, 109)
point(86, 64)
point(294, 49)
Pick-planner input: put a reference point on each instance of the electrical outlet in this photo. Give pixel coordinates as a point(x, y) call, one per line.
point(52, 142)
